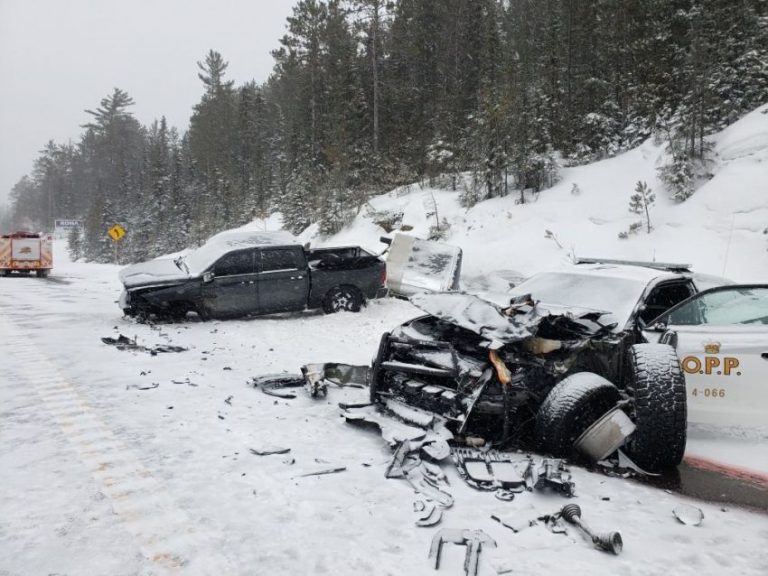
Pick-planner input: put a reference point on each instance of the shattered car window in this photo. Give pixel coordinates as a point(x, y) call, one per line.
point(618, 296)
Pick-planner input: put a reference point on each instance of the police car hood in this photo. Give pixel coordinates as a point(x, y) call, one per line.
point(161, 271)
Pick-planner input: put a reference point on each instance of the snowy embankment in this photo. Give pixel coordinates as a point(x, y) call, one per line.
point(719, 230)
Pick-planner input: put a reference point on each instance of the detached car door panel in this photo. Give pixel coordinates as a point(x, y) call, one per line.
point(721, 337)
point(283, 280)
point(233, 290)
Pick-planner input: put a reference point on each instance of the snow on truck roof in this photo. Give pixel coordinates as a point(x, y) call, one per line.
point(218, 245)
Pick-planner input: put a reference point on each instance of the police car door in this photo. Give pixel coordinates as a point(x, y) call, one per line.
point(721, 337)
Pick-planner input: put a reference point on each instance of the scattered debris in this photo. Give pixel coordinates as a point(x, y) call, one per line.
point(491, 470)
point(272, 384)
point(607, 541)
point(689, 515)
point(553, 474)
point(430, 514)
point(323, 472)
point(124, 343)
point(474, 540)
point(269, 451)
point(185, 381)
point(514, 525)
point(228, 400)
point(137, 387)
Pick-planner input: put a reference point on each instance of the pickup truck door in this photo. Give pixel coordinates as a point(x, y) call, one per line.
point(283, 280)
point(233, 290)
point(721, 337)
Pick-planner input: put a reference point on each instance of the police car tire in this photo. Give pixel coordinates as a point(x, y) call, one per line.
point(657, 388)
point(571, 407)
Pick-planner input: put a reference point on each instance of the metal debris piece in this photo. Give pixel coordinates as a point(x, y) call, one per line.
point(607, 541)
point(269, 451)
point(436, 450)
point(430, 516)
point(395, 468)
point(323, 472)
point(514, 525)
point(474, 540)
point(124, 343)
point(433, 493)
point(491, 470)
point(272, 384)
point(688, 515)
point(553, 474)
point(136, 387)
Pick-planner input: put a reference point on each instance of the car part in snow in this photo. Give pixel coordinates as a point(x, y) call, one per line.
point(688, 515)
point(415, 265)
point(474, 540)
point(573, 405)
point(514, 525)
point(323, 472)
point(397, 467)
point(273, 384)
point(125, 343)
point(430, 514)
point(314, 380)
point(606, 435)
point(607, 541)
point(552, 474)
point(269, 451)
point(491, 470)
point(657, 387)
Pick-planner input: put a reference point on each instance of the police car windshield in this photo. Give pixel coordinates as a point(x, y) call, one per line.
point(615, 295)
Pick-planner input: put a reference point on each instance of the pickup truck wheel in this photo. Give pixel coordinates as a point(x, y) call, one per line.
point(342, 298)
point(657, 388)
point(574, 404)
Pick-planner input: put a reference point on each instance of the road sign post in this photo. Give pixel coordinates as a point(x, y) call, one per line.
point(117, 232)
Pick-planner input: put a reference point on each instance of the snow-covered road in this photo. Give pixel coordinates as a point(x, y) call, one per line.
point(103, 474)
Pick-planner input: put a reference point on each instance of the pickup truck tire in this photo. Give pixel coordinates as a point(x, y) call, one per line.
point(570, 408)
point(342, 298)
point(657, 388)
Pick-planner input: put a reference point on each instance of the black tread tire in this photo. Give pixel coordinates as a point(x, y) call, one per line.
point(657, 387)
point(570, 408)
point(342, 298)
point(373, 385)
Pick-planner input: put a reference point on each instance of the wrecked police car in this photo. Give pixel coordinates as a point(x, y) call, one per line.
point(239, 273)
point(566, 352)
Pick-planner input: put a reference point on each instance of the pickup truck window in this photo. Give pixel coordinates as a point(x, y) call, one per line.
point(278, 259)
point(240, 262)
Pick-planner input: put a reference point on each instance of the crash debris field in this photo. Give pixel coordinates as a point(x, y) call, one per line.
point(145, 448)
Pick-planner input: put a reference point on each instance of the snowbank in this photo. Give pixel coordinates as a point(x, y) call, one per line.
point(719, 230)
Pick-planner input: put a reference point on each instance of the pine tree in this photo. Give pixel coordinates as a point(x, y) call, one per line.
point(641, 200)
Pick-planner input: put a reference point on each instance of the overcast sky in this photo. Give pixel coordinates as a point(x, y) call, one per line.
point(59, 57)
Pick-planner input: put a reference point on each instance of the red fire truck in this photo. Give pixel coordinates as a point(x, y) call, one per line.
point(24, 252)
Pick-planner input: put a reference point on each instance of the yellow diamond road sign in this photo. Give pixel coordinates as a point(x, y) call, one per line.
point(116, 232)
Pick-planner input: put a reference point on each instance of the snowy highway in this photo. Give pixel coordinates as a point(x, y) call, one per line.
point(120, 462)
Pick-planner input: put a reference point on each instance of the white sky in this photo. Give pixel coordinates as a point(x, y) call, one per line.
point(59, 57)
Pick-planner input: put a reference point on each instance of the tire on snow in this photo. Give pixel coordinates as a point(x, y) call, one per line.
point(570, 408)
point(657, 387)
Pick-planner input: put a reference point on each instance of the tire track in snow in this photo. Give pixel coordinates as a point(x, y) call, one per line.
point(167, 538)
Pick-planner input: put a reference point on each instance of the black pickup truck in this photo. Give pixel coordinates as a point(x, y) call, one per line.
point(241, 273)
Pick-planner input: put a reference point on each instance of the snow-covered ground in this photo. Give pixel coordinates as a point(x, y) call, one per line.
point(102, 477)
point(121, 463)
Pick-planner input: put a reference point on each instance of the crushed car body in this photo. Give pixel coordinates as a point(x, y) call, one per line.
point(565, 351)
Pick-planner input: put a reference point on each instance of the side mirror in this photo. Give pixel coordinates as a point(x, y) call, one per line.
point(208, 277)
